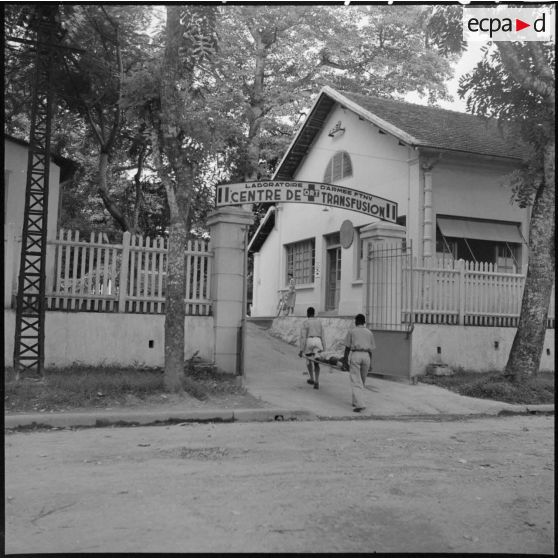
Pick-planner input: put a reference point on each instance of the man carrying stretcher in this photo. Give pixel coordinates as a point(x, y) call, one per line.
point(312, 342)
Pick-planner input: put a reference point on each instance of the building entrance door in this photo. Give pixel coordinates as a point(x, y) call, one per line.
point(333, 278)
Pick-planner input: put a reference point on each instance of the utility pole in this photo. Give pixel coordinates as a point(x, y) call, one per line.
point(30, 307)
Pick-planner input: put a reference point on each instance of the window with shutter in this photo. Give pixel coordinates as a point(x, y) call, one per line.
point(338, 167)
point(347, 166)
point(327, 175)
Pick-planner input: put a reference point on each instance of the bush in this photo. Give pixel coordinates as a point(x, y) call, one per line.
point(494, 385)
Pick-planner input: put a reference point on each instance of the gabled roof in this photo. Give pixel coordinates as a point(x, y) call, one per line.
point(416, 125)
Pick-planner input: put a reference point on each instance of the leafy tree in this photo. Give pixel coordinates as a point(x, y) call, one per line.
point(93, 84)
point(515, 82)
point(90, 126)
point(273, 60)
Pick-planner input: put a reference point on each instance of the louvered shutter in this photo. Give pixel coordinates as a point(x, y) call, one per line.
point(327, 174)
point(337, 166)
point(347, 165)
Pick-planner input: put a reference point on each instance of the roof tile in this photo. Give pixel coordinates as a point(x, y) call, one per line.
point(443, 129)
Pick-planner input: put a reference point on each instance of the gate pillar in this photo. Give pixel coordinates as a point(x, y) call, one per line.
point(229, 234)
point(382, 292)
point(382, 231)
point(387, 297)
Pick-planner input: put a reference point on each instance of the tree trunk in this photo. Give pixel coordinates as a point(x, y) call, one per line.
point(174, 308)
point(138, 205)
point(525, 355)
point(179, 203)
point(256, 110)
point(110, 206)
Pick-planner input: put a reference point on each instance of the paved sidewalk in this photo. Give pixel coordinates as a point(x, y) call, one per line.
point(275, 373)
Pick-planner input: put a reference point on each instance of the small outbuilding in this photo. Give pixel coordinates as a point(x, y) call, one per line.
point(15, 179)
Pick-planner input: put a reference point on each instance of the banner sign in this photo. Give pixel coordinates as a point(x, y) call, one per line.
point(330, 195)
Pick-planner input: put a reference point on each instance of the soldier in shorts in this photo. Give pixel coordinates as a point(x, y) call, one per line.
point(312, 342)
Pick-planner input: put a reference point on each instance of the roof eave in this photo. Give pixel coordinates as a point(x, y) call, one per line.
point(298, 134)
point(436, 148)
point(260, 230)
point(58, 159)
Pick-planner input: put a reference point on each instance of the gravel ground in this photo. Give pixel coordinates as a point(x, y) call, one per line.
point(477, 485)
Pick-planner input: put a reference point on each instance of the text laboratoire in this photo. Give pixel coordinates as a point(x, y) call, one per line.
point(306, 192)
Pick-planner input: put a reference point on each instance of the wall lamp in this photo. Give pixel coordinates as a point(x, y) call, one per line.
point(336, 130)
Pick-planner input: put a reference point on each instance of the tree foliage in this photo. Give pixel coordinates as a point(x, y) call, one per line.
point(272, 62)
point(259, 71)
point(515, 83)
point(104, 48)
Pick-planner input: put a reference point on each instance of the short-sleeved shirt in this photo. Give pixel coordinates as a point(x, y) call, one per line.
point(360, 338)
point(311, 327)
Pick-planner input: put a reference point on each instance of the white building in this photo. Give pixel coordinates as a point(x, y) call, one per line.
point(444, 169)
point(15, 179)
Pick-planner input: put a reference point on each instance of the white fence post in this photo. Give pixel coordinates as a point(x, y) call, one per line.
point(460, 267)
point(123, 281)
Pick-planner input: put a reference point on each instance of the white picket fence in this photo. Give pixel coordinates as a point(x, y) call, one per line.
point(96, 276)
point(471, 293)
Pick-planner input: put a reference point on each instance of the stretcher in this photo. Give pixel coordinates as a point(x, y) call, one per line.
point(338, 366)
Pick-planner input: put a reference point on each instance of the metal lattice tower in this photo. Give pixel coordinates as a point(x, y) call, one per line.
point(30, 309)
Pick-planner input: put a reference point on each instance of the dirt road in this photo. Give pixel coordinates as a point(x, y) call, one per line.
point(481, 485)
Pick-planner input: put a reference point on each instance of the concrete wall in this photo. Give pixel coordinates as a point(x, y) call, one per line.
point(469, 347)
point(98, 339)
point(335, 330)
point(266, 277)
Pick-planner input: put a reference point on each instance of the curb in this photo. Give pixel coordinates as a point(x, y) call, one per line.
point(146, 418)
point(528, 409)
point(84, 420)
point(266, 415)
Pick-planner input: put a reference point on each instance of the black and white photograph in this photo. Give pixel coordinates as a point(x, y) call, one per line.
point(279, 277)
